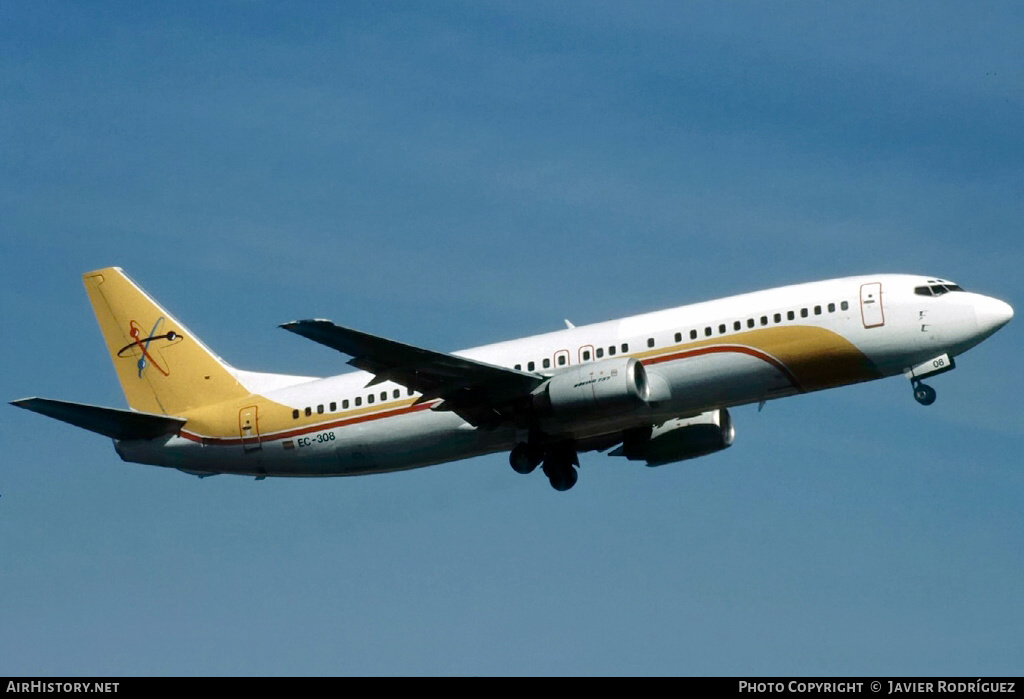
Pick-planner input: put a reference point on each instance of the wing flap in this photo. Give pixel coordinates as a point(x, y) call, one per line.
point(110, 422)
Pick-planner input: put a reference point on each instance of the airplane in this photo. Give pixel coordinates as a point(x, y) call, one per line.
point(654, 388)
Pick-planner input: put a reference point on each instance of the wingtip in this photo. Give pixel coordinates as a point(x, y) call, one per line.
point(296, 326)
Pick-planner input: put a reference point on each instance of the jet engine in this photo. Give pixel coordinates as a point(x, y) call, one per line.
point(679, 439)
point(606, 387)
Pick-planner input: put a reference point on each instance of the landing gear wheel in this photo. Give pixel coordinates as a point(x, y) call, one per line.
point(558, 467)
point(561, 476)
point(524, 458)
point(924, 394)
point(570, 476)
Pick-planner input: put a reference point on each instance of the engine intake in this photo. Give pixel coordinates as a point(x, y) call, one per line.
point(599, 388)
point(679, 439)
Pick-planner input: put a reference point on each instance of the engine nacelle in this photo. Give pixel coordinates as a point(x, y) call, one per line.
point(679, 439)
point(598, 388)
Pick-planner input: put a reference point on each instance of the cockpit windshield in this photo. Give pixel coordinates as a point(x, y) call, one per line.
point(936, 287)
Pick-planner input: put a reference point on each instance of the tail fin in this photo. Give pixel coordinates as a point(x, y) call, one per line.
point(162, 367)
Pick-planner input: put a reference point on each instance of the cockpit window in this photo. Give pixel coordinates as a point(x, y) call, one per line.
point(935, 289)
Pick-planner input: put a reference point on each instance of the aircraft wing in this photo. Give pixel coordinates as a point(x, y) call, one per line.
point(478, 392)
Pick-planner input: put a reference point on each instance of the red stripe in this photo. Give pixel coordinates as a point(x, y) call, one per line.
point(318, 427)
point(724, 349)
point(713, 349)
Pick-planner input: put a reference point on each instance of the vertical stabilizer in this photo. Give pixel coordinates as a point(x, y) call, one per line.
point(162, 367)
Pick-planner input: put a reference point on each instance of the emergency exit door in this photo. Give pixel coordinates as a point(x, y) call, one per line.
point(249, 429)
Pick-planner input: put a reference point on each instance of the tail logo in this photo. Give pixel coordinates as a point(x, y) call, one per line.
point(140, 345)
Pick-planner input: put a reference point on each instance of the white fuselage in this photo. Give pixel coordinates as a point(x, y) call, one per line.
point(700, 357)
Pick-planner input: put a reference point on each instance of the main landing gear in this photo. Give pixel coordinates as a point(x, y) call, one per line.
point(525, 458)
point(923, 393)
point(560, 462)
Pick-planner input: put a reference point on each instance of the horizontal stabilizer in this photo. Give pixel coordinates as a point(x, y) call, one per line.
point(110, 422)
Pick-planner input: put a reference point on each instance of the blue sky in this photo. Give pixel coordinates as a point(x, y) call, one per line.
point(451, 174)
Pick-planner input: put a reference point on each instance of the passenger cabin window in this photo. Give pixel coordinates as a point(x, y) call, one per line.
point(764, 320)
point(334, 406)
point(561, 360)
point(344, 404)
point(599, 352)
point(309, 411)
point(844, 306)
point(369, 398)
point(624, 348)
point(320, 409)
point(831, 308)
point(790, 315)
point(611, 350)
point(519, 367)
point(721, 329)
point(586, 355)
point(803, 312)
point(817, 310)
point(777, 317)
point(359, 401)
point(750, 322)
point(737, 325)
point(679, 337)
point(693, 334)
point(530, 366)
point(707, 332)
point(295, 414)
point(547, 363)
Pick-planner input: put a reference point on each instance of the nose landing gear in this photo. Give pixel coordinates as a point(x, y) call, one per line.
point(923, 393)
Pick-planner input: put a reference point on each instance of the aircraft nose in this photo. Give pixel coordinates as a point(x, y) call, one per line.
point(991, 314)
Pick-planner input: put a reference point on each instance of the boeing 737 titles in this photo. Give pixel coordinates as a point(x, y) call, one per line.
point(652, 388)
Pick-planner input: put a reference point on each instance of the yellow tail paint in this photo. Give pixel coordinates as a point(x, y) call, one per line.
point(163, 368)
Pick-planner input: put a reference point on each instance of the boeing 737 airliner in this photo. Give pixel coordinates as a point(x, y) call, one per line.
point(653, 388)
